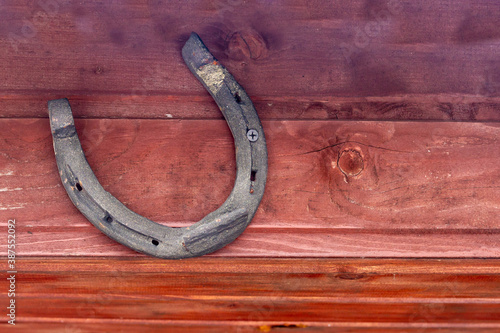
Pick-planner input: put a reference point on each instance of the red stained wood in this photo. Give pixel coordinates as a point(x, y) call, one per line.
point(177, 309)
point(415, 189)
point(261, 294)
point(91, 326)
point(261, 266)
point(449, 107)
point(378, 187)
point(316, 54)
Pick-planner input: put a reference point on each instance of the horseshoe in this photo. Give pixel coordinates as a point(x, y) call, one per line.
point(215, 230)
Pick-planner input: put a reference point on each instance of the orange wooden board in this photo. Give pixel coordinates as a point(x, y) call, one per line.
point(84, 326)
point(380, 189)
point(258, 295)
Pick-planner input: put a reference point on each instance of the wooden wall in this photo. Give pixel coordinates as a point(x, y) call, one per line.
point(382, 122)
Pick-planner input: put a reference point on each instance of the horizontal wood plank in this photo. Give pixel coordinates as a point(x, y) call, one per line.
point(447, 107)
point(390, 189)
point(259, 265)
point(259, 294)
point(181, 308)
point(88, 325)
point(112, 52)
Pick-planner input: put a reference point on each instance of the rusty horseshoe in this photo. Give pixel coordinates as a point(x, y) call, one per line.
point(215, 230)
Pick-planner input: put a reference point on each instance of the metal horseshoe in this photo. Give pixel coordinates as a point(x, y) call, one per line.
point(215, 230)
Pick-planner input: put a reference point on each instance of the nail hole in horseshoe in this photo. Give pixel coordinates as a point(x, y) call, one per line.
point(252, 175)
point(79, 187)
point(155, 242)
point(237, 98)
point(108, 219)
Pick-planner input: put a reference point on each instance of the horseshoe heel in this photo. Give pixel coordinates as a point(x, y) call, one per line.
point(215, 230)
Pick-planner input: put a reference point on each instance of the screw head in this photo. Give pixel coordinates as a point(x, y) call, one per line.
point(252, 135)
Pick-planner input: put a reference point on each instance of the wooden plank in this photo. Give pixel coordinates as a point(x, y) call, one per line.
point(397, 295)
point(390, 189)
point(292, 242)
point(112, 51)
point(448, 107)
point(260, 266)
point(300, 286)
point(188, 308)
point(99, 325)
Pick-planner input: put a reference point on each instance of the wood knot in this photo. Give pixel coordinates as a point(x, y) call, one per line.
point(246, 44)
point(350, 276)
point(350, 162)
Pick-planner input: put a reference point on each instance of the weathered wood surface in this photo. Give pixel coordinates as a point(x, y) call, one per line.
point(90, 326)
point(297, 59)
point(441, 108)
point(382, 189)
point(259, 295)
point(425, 189)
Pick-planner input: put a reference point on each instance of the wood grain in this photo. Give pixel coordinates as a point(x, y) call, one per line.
point(92, 326)
point(447, 108)
point(353, 94)
point(317, 54)
point(383, 189)
point(260, 294)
